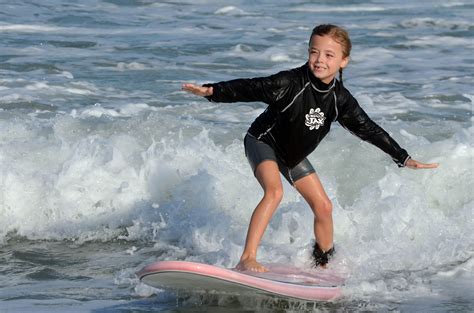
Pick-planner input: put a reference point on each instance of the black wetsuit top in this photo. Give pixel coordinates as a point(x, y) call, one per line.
point(300, 111)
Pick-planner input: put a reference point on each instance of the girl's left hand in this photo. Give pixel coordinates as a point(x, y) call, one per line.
point(414, 164)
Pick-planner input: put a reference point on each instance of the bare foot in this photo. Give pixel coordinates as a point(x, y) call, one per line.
point(251, 265)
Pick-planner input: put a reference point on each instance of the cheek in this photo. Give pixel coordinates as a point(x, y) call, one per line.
point(335, 63)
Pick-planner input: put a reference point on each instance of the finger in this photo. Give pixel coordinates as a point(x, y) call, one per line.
point(418, 165)
point(429, 165)
point(188, 87)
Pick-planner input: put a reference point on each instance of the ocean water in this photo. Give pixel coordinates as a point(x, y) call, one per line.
point(107, 166)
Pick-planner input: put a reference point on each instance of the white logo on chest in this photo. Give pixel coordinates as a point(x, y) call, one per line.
point(315, 119)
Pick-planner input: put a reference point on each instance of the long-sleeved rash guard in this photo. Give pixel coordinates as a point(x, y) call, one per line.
point(300, 111)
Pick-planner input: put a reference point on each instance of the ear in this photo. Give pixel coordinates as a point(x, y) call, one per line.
point(344, 62)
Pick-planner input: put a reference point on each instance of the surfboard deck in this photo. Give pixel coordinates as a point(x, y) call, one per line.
point(280, 280)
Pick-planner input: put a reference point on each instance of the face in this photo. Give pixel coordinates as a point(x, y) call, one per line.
point(326, 58)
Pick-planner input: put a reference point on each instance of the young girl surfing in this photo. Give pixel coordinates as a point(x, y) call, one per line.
point(302, 104)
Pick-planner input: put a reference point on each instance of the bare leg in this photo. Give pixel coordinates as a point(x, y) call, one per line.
point(268, 175)
point(312, 190)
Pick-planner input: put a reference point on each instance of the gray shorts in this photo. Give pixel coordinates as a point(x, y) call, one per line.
point(257, 151)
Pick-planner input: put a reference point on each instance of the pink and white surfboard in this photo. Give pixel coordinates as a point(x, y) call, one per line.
point(280, 280)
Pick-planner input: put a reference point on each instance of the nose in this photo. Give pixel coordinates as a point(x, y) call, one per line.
point(319, 58)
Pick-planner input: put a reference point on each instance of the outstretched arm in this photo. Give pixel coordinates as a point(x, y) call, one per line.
point(358, 122)
point(270, 89)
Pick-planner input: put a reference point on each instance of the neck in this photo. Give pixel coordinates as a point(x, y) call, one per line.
point(319, 84)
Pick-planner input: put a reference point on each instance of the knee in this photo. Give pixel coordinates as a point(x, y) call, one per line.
point(323, 209)
point(274, 194)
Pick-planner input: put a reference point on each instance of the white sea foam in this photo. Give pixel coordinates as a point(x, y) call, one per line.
point(127, 110)
point(439, 40)
point(377, 54)
point(345, 8)
point(38, 28)
point(230, 10)
point(10, 97)
point(386, 104)
point(275, 54)
point(66, 74)
point(122, 66)
point(43, 86)
point(85, 182)
point(30, 28)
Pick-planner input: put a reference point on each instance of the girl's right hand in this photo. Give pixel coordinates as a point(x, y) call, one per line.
point(198, 90)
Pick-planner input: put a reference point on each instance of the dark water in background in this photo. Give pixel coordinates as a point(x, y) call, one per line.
point(106, 166)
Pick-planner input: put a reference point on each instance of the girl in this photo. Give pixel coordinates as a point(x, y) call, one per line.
point(302, 104)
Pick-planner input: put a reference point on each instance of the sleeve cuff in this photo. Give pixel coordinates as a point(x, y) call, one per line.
point(210, 98)
point(404, 162)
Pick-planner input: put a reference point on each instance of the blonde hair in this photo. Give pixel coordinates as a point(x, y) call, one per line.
point(339, 34)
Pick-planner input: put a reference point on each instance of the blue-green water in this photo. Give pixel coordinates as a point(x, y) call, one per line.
point(106, 166)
